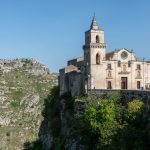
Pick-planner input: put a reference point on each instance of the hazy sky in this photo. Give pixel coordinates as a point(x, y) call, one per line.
point(52, 31)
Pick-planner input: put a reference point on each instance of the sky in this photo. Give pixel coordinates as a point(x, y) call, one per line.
point(52, 31)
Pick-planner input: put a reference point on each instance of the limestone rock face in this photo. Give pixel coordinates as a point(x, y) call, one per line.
point(24, 84)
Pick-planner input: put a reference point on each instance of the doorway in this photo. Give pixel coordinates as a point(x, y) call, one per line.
point(109, 85)
point(124, 82)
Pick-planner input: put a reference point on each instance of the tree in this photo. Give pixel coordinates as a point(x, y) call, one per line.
point(108, 124)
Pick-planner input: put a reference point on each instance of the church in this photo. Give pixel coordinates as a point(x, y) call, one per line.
point(99, 69)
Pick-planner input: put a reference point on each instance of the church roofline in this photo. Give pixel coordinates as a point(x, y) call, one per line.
point(111, 54)
point(78, 59)
point(72, 67)
point(117, 50)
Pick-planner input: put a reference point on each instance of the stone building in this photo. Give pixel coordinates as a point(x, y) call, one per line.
point(98, 69)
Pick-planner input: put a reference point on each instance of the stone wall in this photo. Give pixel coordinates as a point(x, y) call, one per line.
point(127, 94)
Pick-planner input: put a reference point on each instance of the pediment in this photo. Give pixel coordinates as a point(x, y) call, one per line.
point(122, 55)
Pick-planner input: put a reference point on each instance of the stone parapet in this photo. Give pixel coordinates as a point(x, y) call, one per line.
point(128, 94)
point(95, 45)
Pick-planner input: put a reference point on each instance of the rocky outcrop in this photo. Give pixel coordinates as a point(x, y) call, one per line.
point(24, 84)
point(30, 66)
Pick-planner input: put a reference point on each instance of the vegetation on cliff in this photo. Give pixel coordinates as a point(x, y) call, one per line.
point(111, 125)
point(102, 123)
point(34, 116)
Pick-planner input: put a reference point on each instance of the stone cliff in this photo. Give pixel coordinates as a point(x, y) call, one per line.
point(24, 84)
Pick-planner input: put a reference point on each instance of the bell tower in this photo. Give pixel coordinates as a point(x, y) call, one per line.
point(94, 49)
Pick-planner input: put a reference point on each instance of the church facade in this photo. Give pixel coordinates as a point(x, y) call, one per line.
point(98, 69)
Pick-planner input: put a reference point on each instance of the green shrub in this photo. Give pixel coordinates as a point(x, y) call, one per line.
point(8, 134)
point(14, 103)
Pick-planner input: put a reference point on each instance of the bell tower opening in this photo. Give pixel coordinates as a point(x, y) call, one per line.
point(97, 59)
point(97, 39)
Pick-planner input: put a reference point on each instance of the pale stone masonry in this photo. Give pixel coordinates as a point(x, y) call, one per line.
point(97, 69)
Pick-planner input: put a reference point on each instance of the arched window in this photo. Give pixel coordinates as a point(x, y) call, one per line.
point(97, 39)
point(97, 59)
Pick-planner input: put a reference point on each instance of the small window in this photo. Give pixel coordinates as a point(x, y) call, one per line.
point(138, 84)
point(97, 59)
point(129, 63)
point(138, 66)
point(109, 66)
point(97, 39)
point(119, 63)
point(109, 85)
